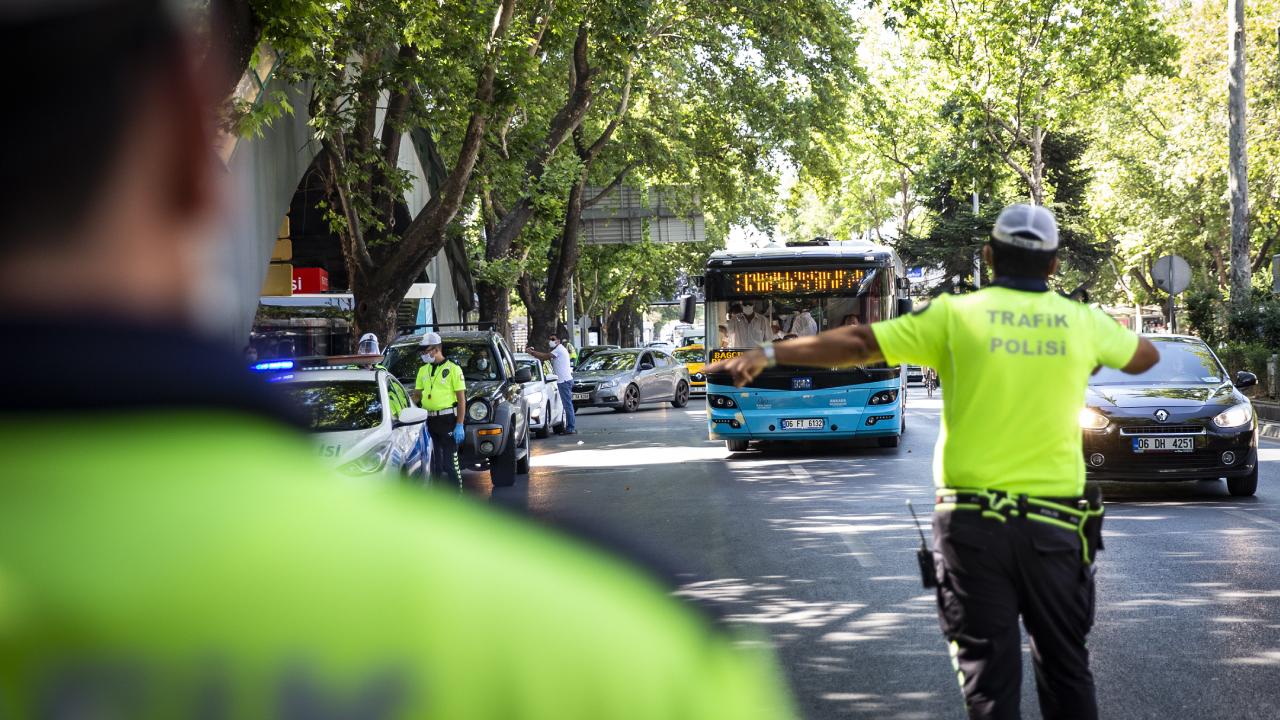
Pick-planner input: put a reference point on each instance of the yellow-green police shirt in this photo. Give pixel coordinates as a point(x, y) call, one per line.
point(1014, 365)
point(439, 385)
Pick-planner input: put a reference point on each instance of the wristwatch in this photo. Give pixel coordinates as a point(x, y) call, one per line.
point(770, 357)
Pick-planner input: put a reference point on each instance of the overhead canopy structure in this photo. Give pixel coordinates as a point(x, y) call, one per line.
point(631, 215)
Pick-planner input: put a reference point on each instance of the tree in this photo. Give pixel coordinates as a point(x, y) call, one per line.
point(1238, 167)
point(704, 98)
point(378, 69)
point(1028, 68)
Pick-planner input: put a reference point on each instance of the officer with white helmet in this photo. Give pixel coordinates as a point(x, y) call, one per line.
point(441, 390)
point(1015, 534)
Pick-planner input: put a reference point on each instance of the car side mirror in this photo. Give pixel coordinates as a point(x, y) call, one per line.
point(688, 309)
point(1245, 379)
point(412, 416)
point(524, 375)
point(552, 378)
point(904, 306)
point(646, 366)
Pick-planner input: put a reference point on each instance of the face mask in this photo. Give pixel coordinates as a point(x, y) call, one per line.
point(426, 357)
point(748, 311)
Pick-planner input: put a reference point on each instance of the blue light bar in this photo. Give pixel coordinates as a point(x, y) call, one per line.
point(273, 365)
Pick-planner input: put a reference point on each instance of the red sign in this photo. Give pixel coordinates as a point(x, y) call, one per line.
point(310, 280)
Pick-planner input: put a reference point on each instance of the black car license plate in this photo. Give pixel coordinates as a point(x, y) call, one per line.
point(1164, 444)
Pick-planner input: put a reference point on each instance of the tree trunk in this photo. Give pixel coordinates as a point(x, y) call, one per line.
point(1037, 166)
point(495, 307)
point(375, 312)
point(1237, 166)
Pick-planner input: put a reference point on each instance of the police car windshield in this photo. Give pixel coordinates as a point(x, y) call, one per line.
point(1182, 362)
point(609, 362)
point(337, 406)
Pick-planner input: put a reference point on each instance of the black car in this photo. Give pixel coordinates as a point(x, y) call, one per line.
point(497, 414)
point(1181, 420)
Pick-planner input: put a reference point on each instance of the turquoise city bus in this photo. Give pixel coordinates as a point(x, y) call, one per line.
point(758, 295)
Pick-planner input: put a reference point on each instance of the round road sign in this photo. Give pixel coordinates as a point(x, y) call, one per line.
point(1171, 274)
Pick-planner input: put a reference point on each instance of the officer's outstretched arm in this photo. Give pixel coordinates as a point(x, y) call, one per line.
point(1143, 358)
point(838, 347)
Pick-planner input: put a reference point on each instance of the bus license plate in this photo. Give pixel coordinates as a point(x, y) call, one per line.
point(1163, 444)
point(582, 396)
point(804, 424)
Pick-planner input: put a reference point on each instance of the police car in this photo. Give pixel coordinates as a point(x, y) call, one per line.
point(363, 421)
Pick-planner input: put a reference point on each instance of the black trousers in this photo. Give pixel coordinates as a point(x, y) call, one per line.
point(444, 452)
point(990, 573)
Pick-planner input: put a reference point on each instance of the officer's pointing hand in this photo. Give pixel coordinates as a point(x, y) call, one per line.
point(744, 368)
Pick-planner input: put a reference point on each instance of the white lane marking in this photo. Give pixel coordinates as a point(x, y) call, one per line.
point(801, 474)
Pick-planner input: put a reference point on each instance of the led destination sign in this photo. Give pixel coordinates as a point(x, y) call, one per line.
point(789, 282)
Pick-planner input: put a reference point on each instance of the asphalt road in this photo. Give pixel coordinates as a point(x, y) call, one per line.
point(813, 546)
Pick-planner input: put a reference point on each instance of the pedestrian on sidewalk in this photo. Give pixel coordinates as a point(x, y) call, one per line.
point(1014, 534)
point(563, 369)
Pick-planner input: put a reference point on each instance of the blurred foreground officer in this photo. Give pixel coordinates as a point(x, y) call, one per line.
point(1014, 534)
point(441, 390)
point(169, 547)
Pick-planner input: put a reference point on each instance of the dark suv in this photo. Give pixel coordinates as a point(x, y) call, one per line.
point(497, 414)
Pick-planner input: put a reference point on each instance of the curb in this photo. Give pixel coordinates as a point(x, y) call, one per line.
point(1269, 430)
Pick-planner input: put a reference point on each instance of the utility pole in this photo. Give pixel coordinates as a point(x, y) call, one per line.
point(977, 256)
point(1237, 168)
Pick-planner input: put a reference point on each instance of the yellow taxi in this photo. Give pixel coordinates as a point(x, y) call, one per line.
point(694, 357)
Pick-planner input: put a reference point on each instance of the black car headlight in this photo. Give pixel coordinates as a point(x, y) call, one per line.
point(1234, 416)
point(478, 411)
point(721, 401)
point(1091, 419)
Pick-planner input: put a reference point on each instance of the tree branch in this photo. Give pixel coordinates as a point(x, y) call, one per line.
point(623, 103)
point(613, 184)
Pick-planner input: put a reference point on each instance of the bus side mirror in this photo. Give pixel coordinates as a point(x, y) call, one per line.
point(688, 308)
point(904, 306)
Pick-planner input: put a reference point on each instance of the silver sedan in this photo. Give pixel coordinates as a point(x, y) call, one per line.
point(626, 379)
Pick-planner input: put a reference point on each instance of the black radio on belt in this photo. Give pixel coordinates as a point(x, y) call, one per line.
point(924, 557)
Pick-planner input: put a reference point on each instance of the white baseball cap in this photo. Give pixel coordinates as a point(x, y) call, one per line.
point(430, 339)
point(1030, 227)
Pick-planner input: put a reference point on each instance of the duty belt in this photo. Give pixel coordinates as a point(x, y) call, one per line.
point(1081, 515)
point(451, 410)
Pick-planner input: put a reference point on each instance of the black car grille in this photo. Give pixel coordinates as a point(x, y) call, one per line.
point(584, 387)
point(1208, 459)
point(1162, 430)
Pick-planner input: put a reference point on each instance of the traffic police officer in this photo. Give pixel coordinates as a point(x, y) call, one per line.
point(1014, 535)
point(441, 390)
point(193, 557)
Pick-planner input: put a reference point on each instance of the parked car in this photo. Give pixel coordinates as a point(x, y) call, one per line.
point(694, 358)
point(363, 421)
point(546, 411)
point(1183, 419)
point(497, 427)
point(626, 379)
point(590, 350)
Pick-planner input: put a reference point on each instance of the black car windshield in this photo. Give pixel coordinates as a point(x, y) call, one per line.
point(609, 362)
point(475, 358)
point(690, 356)
point(1182, 362)
point(337, 406)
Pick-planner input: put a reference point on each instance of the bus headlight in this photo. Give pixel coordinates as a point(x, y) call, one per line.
point(1234, 416)
point(1091, 419)
point(478, 411)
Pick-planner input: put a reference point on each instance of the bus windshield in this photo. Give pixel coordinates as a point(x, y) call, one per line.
point(747, 322)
